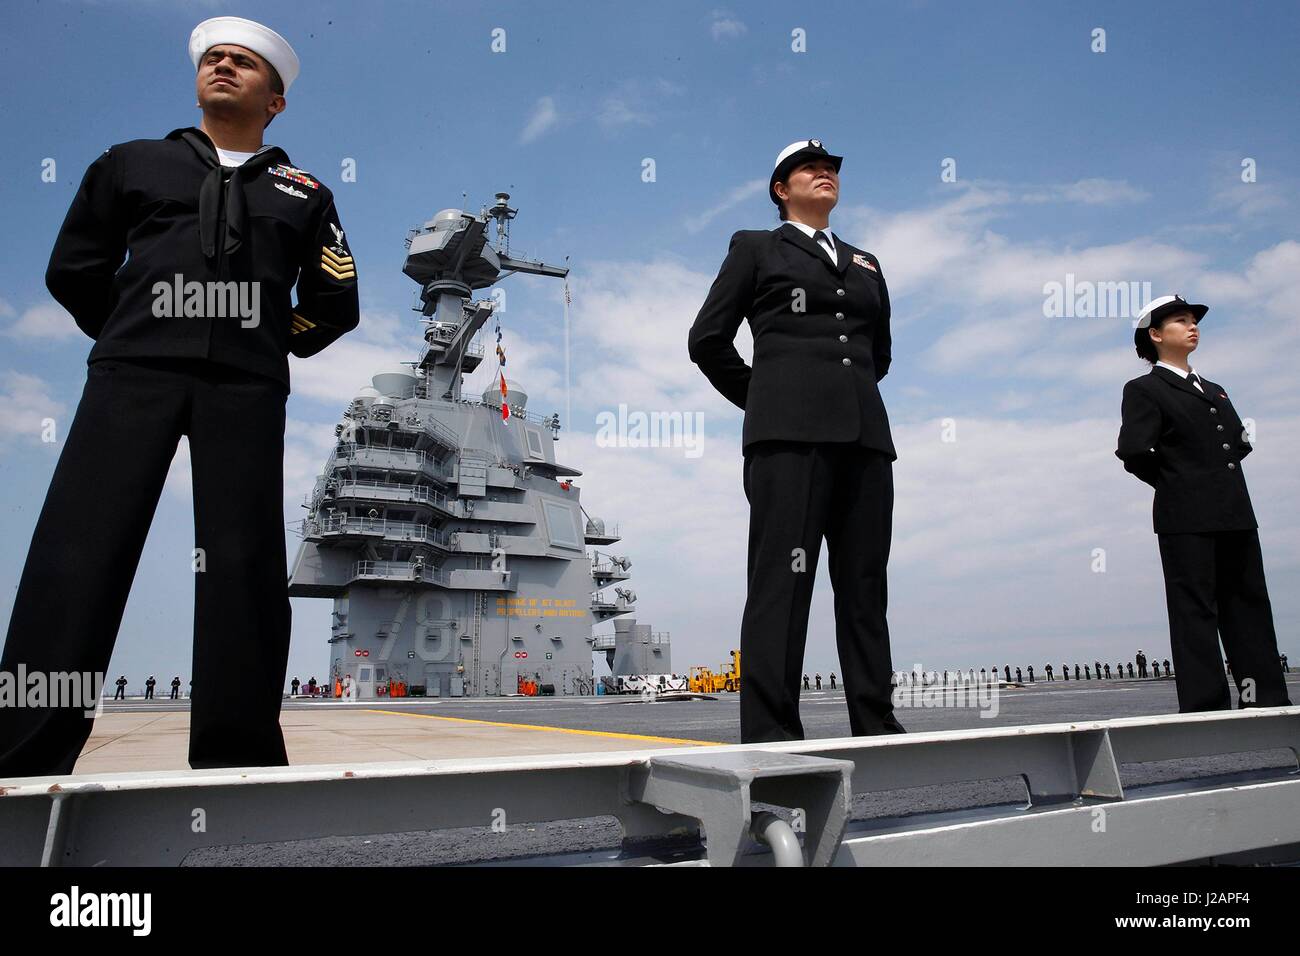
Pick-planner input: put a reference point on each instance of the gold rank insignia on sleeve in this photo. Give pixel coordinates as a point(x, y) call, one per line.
point(340, 267)
point(299, 324)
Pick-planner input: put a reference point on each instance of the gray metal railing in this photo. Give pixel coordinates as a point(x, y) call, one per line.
point(434, 428)
point(389, 491)
point(606, 642)
point(400, 571)
point(444, 337)
point(442, 433)
point(598, 602)
point(394, 530)
point(1080, 811)
point(372, 456)
point(530, 417)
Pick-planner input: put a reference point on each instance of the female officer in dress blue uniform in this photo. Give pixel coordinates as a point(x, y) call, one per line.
point(816, 441)
point(1181, 435)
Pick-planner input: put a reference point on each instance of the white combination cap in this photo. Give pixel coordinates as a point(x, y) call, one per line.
point(800, 151)
point(1168, 305)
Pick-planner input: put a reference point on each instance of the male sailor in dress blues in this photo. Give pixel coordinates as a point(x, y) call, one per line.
point(191, 335)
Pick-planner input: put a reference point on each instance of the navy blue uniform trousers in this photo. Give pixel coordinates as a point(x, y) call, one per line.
point(92, 529)
point(799, 492)
point(1214, 587)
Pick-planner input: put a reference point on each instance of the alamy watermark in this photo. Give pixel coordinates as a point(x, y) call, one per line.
point(1085, 299)
point(76, 908)
point(217, 300)
point(651, 430)
point(36, 689)
point(924, 689)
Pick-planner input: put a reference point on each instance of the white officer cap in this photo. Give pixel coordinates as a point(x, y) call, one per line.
point(800, 151)
point(1168, 305)
point(262, 40)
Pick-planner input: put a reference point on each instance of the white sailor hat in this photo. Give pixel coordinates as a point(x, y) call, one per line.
point(1157, 309)
point(262, 40)
point(800, 151)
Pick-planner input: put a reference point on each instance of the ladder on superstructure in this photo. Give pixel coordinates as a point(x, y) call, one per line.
point(476, 632)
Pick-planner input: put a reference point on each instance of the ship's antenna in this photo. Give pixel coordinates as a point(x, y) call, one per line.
point(568, 401)
point(502, 213)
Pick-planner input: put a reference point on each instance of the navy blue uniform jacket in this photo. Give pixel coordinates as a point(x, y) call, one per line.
point(1187, 445)
point(159, 204)
point(821, 339)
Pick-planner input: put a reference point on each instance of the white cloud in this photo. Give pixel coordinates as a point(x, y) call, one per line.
point(725, 25)
point(631, 321)
point(543, 117)
point(1270, 283)
point(947, 260)
point(28, 403)
point(616, 111)
point(1250, 200)
point(332, 376)
point(307, 446)
point(1091, 192)
point(736, 196)
point(46, 320)
point(950, 250)
point(636, 102)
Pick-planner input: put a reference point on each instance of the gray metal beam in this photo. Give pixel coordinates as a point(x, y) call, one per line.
point(1153, 831)
point(130, 819)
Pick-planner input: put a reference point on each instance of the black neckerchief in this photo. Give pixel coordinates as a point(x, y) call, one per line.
point(210, 193)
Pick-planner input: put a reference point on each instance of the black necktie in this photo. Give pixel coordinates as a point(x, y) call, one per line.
point(1191, 377)
point(819, 237)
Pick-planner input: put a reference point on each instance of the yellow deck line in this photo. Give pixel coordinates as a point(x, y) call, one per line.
point(562, 730)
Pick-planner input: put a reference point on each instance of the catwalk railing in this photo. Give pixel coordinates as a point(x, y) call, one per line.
point(694, 806)
point(382, 491)
point(344, 525)
point(380, 457)
point(399, 571)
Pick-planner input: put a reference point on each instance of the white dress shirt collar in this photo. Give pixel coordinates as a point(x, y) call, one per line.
point(828, 246)
point(1182, 374)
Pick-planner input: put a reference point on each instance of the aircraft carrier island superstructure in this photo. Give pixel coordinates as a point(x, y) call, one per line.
point(450, 538)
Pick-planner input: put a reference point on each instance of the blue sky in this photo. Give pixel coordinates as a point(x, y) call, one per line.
point(1123, 165)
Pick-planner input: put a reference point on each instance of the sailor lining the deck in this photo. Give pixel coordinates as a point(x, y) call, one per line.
point(211, 208)
point(1181, 435)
